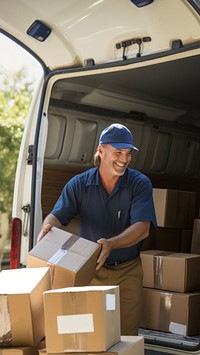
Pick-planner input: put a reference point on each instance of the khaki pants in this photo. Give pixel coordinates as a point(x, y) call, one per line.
point(129, 277)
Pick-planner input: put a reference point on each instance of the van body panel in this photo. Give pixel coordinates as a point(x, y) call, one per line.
point(82, 30)
point(105, 62)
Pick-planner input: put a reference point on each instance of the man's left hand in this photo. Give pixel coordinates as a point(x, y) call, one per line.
point(105, 252)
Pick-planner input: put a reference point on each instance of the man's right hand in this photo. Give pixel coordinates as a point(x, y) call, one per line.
point(48, 223)
point(44, 231)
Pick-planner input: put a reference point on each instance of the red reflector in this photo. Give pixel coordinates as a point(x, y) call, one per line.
point(15, 243)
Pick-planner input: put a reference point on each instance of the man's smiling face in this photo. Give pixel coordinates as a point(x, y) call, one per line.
point(114, 160)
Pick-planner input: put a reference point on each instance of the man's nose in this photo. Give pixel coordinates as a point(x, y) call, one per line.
point(124, 158)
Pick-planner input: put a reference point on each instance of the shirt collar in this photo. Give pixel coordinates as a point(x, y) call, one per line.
point(94, 178)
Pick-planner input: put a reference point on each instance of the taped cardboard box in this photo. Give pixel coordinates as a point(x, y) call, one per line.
point(82, 319)
point(21, 306)
point(174, 208)
point(72, 259)
point(170, 271)
point(178, 313)
point(19, 351)
point(128, 345)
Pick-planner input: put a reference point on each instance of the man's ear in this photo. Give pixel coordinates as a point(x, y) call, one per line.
point(100, 150)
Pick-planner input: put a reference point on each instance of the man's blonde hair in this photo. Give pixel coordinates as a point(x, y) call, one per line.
point(96, 158)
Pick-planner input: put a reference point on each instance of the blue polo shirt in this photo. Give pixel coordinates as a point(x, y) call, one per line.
point(103, 215)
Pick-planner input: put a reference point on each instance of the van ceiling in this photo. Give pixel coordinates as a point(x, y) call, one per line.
point(96, 28)
point(168, 91)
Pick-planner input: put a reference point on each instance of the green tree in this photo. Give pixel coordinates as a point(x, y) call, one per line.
point(16, 92)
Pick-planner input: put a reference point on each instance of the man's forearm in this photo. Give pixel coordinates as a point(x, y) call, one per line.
point(52, 220)
point(132, 235)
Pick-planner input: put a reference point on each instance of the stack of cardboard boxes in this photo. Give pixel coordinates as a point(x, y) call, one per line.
point(49, 301)
point(175, 213)
point(171, 292)
point(21, 309)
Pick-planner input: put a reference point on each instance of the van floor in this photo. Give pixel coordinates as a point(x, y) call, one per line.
point(161, 342)
point(165, 351)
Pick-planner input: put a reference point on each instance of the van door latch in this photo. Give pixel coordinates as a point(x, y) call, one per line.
point(27, 210)
point(130, 42)
point(30, 154)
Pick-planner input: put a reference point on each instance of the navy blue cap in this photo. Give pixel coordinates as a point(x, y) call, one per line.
point(118, 136)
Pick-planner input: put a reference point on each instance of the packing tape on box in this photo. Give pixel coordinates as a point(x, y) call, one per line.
point(5, 321)
point(158, 271)
point(77, 324)
point(165, 311)
point(158, 268)
point(58, 255)
point(76, 327)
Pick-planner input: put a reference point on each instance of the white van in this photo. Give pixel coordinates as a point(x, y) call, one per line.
point(131, 61)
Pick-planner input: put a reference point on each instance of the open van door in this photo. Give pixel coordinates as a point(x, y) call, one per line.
point(134, 62)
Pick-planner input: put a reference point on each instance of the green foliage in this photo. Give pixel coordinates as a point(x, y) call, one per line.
point(15, 98)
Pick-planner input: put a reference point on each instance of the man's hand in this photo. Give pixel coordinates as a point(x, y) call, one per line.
point(44, 231)
point(105, 252)
point(130, 236)
point(49, 222)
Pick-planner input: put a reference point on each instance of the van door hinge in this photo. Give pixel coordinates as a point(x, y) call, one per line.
point(30, 155)
point(27, 210)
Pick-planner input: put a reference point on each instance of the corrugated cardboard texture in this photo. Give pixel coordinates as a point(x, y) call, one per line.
point(171, 271)
point(178, 313)
point(169, 239)
point(128, 345)
point(72, 259)
point(174, 208)
point(19, 351)
point(23, 290)
point(99, 304)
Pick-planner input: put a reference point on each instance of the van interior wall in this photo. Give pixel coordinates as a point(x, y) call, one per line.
point(54, 179)
point(170, 157)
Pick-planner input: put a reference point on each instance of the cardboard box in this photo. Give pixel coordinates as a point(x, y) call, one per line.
point(169, 239)
point(21, 306)
point(195, 244)
point(82, 319)
point(19, 351)
point(128, 345)
point(174, 208)
point(72, 259)
point(25, 350)
point(178, 313)
point(186, 240)
point(171, 271)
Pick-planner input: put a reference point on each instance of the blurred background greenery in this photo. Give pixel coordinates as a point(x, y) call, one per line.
point(16, 92)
